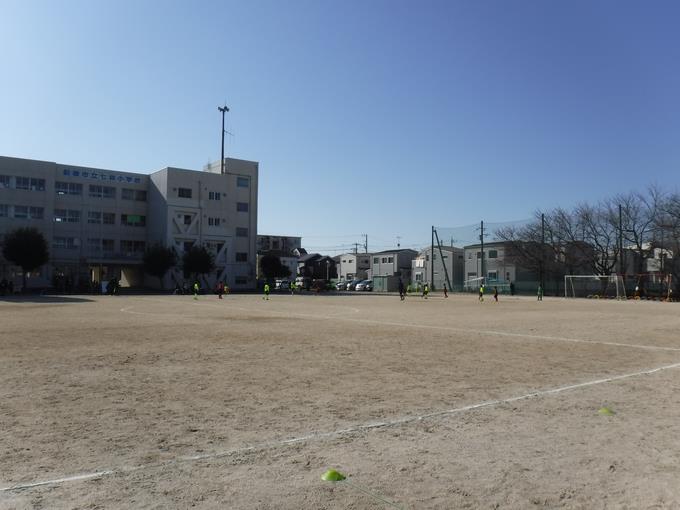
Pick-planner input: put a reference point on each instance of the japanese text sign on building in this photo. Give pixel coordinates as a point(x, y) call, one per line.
point(99, 176)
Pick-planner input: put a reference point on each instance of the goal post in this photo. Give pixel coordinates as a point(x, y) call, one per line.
point(594, 286)
point(473, 284)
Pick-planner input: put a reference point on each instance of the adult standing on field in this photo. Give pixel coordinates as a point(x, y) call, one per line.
point(539, 293)
point(197, 287)
point(266, 292)
point(481, 293)
point(401, 289)
point(220, 289)
point(426, 290)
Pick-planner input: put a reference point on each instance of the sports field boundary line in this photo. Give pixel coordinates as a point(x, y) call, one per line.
point(336, 433)
point(419, 326)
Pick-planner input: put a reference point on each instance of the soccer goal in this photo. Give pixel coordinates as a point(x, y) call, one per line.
point(594, 286)
point(472, 285)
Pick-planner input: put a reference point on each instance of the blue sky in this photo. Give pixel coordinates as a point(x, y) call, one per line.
point(366, 117)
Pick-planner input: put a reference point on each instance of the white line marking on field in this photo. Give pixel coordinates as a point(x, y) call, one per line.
point(428, 326)
point(336, 433)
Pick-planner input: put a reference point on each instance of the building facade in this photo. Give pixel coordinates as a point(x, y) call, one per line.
point(354, 266)
point(392, 263)
point(427, 263)
point(284, 247)
point(99, 222)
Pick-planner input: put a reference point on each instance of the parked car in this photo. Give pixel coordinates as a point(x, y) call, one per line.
point(341, 285)
point(365, 285)
point(353, 284)
point(282, 284)
point(303, 282)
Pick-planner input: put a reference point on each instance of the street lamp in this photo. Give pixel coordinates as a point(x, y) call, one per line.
point(328, 268)
point(224, 109)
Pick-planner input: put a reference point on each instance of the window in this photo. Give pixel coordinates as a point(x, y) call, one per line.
point(492, 276)
point(241, 257)
point(97, 191)
point(376, 260)
point(68, 188)
point(214, 222)
point(187, 219)
point(479, 254)
point(469, 255)
point(22, 183)
point(69, 243)
point(4, 210)
point(21, 212)
point(127, 194)
point(37, 184)
point(384, 260)
point(240, 280)
point(241, 206)
point(390, 259)
point(108, 245)
point(94, 245)
point(36, 213)
point(214, 195)
point(133, 220)
point(493, 254)
point(66, 216)
point(241, 232)
point(184, 192)
point(419, 277)
point(4, 181)
point(132, 247)
point(140, 195)
point(94, 217)
point(242, 182)
point(109, 218)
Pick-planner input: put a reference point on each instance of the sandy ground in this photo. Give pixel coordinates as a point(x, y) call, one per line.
point(244, 403)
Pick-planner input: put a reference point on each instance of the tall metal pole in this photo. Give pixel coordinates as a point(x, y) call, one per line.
point(432, 259)
point(224, 110)
point(542, 276)
point(622, 266)
point(481, 238)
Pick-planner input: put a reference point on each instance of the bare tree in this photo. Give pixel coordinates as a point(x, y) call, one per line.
point(600, 234)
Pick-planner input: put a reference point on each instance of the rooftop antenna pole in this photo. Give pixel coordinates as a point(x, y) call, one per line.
point(398, 242)
point(224, 109)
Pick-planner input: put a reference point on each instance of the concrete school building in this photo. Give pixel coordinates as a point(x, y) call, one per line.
point(99, 222)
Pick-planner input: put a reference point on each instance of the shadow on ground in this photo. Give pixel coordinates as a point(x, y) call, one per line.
point(18, 298)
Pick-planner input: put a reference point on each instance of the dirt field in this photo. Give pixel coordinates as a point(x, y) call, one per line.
point(166, 402)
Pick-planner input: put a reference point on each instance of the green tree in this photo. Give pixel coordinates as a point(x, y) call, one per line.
point(271, 267)
point(26, 248)
point(158, 260)
point(198, 261)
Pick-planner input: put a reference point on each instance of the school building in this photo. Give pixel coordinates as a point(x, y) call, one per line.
point(99, 222)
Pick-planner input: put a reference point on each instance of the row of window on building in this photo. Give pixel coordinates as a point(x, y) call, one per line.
point(25, 183)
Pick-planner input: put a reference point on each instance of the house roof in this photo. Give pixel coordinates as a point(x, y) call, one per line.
point(400, 250)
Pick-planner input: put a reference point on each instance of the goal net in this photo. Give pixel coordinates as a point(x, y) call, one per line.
point(473, 284)
point(594, 286)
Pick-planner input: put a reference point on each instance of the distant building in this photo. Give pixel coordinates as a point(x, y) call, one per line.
point(315, 266)
point(286, 248)
point(453, 261)
point(354, 266)
point(99, 222)
point(392, 263)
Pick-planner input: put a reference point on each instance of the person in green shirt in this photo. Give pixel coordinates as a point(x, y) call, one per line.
point(196, 289)
point(266, 292)
point(481, 293)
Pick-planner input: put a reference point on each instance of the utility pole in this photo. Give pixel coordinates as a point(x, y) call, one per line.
point(398, 242)
point(543, 251)
point(224, 109)
point(622, 266)
point(481, 238)
point(432, 259)
point(356, 248)
point(365, 243)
